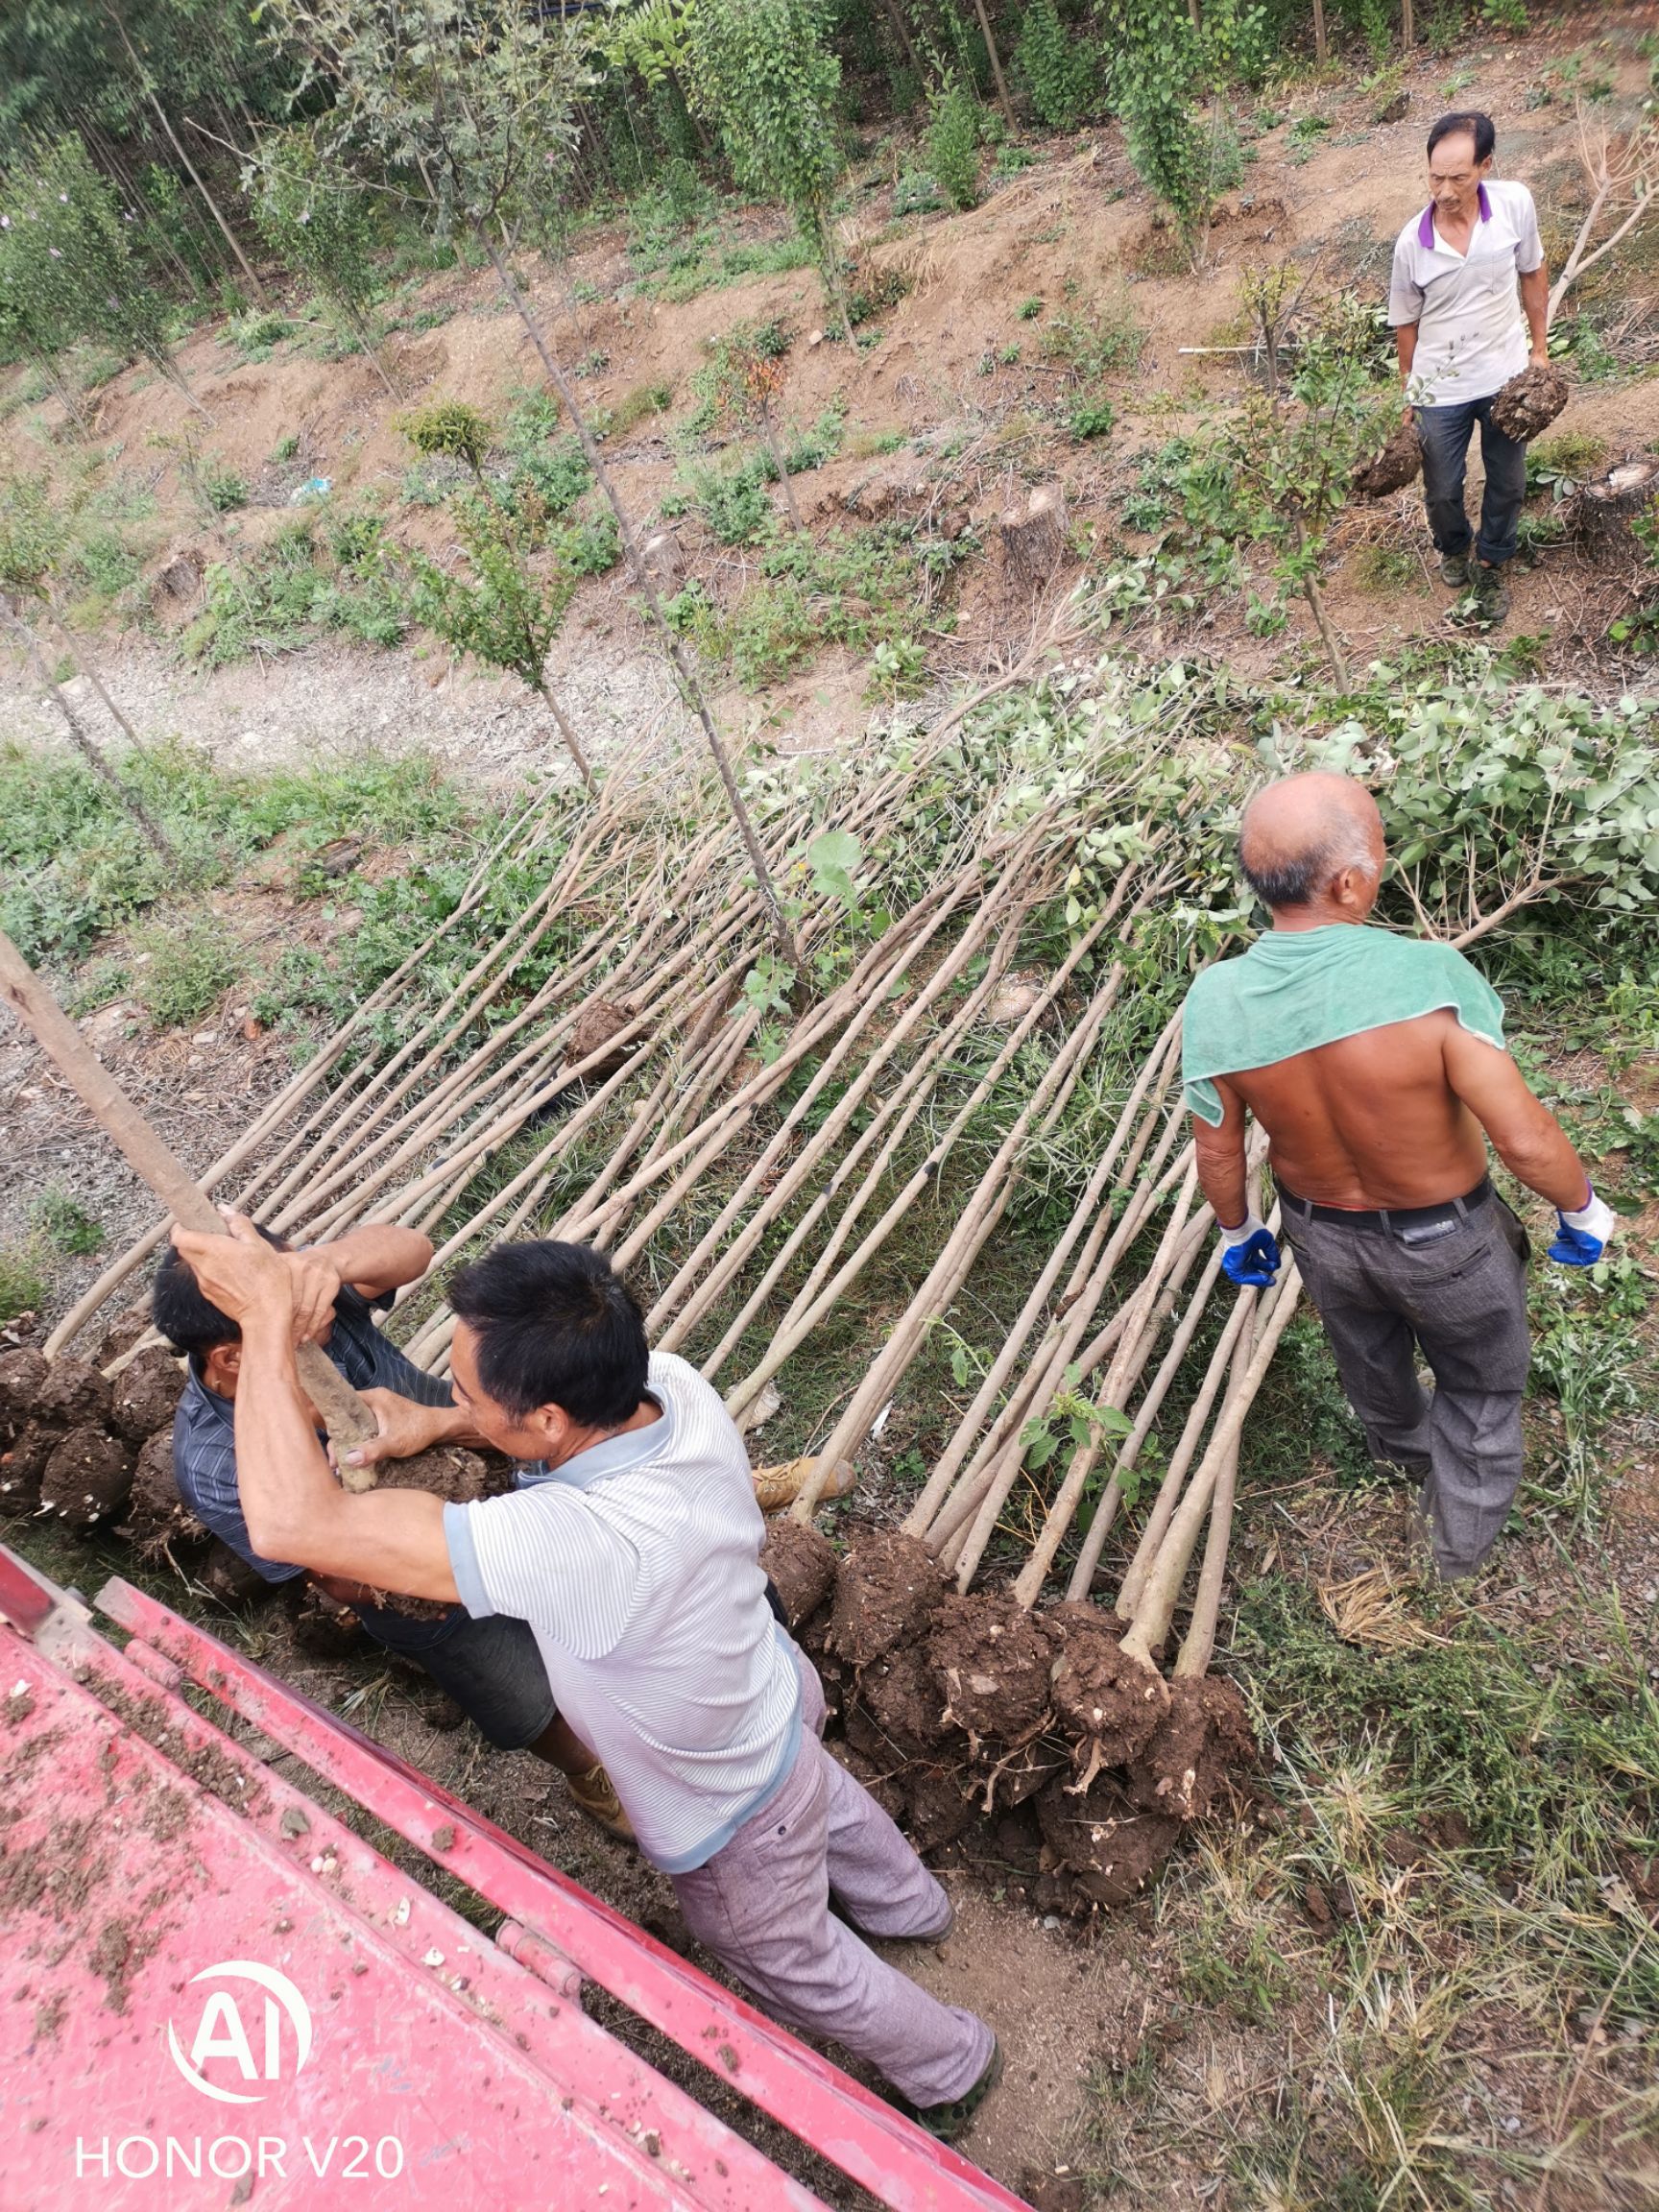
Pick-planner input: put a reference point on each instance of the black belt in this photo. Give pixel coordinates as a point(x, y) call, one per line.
point(1390, 1220)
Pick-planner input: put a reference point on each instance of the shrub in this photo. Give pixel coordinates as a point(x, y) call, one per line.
point(1152, 83)
point(954, 143)
point(68, 1225)
point(319, 219)
point(1060, 74)
point(638, 406)
point(224, 488)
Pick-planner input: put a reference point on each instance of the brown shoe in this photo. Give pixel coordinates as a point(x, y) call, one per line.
point(595, 1795)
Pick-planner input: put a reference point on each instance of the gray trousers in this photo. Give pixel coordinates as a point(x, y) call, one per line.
point(761, 1905)
point(1458, 1297)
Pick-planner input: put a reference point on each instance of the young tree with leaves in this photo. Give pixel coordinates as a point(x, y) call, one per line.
point(477, 98)
point(766, 75)
point(318, 220)
point(84, 279)
point(510, 611)
point(750, 377)
point(1156, 63)
point(1291, 450)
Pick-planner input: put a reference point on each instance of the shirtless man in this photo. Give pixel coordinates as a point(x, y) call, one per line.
point(1377, 1066)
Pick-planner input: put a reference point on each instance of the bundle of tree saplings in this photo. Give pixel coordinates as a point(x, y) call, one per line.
point(1057, 1720)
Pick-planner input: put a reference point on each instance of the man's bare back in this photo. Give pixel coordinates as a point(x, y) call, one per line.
point(1372, 1121)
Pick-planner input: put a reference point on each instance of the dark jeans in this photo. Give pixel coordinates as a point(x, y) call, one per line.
point(1445, 433)
point(1459, 1297)
point(492, 1668)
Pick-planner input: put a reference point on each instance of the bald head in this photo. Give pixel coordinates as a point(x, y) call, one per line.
point(1301, 835)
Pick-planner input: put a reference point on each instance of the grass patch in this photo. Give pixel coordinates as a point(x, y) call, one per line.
point(870, 592)
point(638, 405)
point(180, 969)
point(73, 864)
point(22, 1280)
point(69, 1227)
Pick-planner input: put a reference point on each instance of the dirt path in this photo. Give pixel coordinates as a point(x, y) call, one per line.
point(334, 703)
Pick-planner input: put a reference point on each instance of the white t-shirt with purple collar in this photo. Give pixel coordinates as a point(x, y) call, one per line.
point(1472, 336)
point(637, 1566)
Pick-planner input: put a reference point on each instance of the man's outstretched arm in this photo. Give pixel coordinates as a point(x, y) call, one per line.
point(1525, 1133)
point(376, 1258)
point(294, 1507)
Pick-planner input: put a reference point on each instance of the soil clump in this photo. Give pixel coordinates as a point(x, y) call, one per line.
point(1530, 402)
point(886, 1591)
point(1108, 1703)
point(993, 1659)
point(145, 1395)
point(801, 1564)
point(1391, 468)
point(86, 1478)
point(1082, 1766)
point(157, 1515)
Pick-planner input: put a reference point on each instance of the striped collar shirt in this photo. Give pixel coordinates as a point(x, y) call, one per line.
point(1472, 336)
point(205, 1426)
point(637, 1565)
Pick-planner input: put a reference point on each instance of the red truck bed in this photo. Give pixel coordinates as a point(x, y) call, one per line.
point(221, 1995)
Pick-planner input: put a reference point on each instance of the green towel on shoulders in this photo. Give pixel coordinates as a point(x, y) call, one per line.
point(1295, 990)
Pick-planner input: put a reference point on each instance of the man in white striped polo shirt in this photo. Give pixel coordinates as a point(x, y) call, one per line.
point(1469, 299)
point(633, 1550)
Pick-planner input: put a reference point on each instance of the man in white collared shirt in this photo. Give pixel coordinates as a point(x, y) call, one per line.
point(1470, 303)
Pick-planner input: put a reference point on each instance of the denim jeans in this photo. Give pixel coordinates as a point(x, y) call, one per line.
point(1445, 433)
point(492, 1667)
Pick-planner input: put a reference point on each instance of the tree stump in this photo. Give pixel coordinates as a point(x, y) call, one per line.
point(1598, 518)
point(664, 560)
point(1034, 537)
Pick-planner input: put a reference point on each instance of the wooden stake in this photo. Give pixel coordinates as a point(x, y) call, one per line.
point(348, 1421)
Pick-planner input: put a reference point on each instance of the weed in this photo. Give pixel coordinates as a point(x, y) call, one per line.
point(1091, 418)
point(1302, 140)
point(1030, 309)
point(916, 194)
point(180, 969)
point(22, 1281)
point(72, 1229)
point(257, 336)
point(1386, 570)
point(1564, 456)
point(285, 448)
point(277, 599)
point(592, 546)
point(638, 405)
point(1093, 346)
point(224, 489)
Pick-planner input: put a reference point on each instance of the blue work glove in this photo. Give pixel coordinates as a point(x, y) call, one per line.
point(1584, 1234)
point(1249, 1254)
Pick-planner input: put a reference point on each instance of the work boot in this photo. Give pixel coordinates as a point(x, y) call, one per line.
point(1491, 596)
point(1454, 570)
point(595, 1795)
point(950, 2121)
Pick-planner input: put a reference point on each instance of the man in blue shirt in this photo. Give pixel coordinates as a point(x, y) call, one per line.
point(492, 1668)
